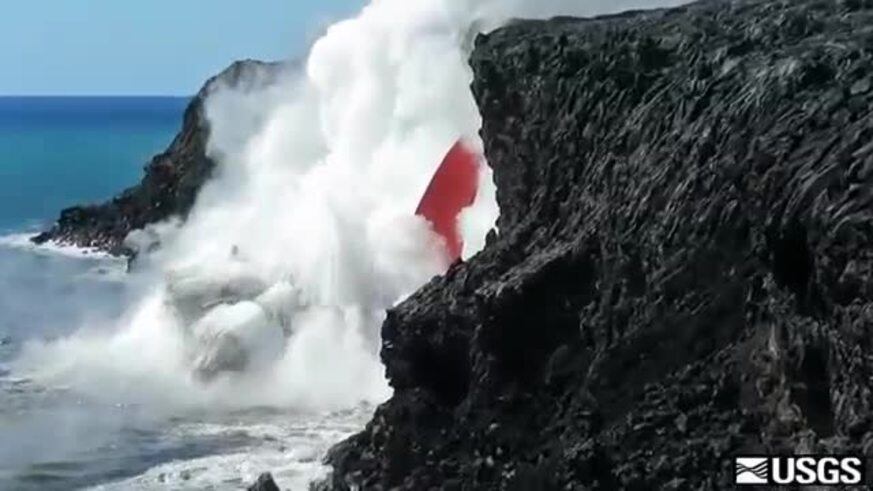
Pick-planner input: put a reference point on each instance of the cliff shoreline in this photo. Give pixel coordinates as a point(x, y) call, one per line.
point(171, 180)
point(684, 269)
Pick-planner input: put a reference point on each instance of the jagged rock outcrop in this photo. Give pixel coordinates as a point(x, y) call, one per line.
point(171, 181)
point(685, 265)
point(265, 482)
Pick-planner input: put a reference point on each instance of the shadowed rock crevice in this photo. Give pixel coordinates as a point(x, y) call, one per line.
point(684, 270)
point(793, 263)
point(812, 395)
point(513, 329)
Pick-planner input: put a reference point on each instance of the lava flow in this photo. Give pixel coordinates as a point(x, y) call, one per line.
point(452, 189)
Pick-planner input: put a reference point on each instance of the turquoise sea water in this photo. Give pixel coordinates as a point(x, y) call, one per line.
point(57, 152)
point(54, 153)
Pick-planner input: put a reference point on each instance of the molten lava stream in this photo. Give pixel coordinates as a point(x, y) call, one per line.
point(453, 188)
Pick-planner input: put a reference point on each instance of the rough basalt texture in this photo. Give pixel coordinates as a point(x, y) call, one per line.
point(265, 482)
point(171, 181)
point(685, 265)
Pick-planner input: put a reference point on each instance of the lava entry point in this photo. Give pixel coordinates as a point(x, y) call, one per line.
point(452, 188)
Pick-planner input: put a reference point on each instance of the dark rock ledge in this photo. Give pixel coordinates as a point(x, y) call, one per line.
point(685, 269)
point(171, 180)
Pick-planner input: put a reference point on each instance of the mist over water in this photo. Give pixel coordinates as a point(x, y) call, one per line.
point(272, 293)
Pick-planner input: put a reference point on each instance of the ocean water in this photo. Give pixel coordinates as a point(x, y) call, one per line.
point(57, 152)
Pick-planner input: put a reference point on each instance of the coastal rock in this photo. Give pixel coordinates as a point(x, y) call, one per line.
point(684, 269)
point(171, 181)
point(265, 482)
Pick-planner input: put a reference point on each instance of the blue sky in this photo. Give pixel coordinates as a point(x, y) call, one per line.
point(144, 47)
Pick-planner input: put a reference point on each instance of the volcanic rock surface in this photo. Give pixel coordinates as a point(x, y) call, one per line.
point(684, 270)
point(172, 179)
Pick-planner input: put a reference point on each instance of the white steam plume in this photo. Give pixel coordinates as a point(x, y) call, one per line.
point(274, 289)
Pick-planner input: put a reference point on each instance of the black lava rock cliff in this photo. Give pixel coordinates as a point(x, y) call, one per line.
point(685, 265)
point(171, 182)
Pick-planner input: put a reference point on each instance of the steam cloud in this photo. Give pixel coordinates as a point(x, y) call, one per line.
point(274, 289)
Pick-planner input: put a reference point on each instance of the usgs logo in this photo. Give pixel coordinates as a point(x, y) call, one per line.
point(801, 470)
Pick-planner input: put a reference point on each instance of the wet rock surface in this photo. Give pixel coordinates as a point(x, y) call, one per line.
point(265, 482)
point(685, 265)
point(170, 182)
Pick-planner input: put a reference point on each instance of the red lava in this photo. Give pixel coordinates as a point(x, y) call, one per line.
point(453, 188)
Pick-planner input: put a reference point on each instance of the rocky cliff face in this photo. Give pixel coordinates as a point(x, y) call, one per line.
point(171, 180)
point(684, 266)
